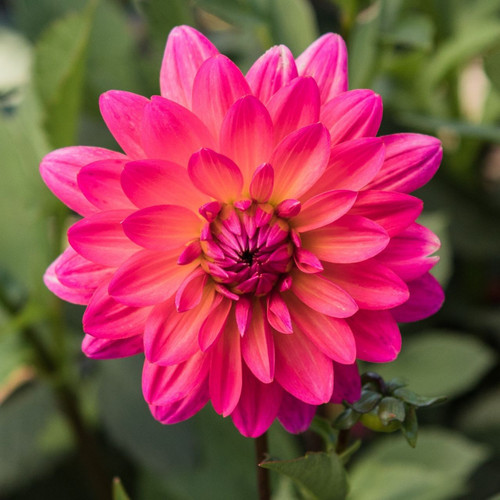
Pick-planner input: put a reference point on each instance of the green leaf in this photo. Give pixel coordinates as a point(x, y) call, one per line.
point(410, 426)
point(436, 469)
point(367, 401)
point(414, 31)
point(492, 67)
point(321, 475)
point(119, 492)
point(346, 419)
point(390, 409)
point(416, 399)
point(441, 362)
point(324, 428)
point(59, 70)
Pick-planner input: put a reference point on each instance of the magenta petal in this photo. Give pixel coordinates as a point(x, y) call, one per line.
point(111, 348)
point(377, 336)
point(271, 71)
point(352, 115)
point(426, 298)
point(261, 187)
point(347, 385)
point(226, 370)
point(159, 182)
point(243, 313)
point(278, 314)
point(215, 175)
point(247, 135)
point(214, 323)
point(326, 61)
point(295, 415)
point(162, 385)
point(162, 227)
point(148, 278)
point(100, 184)
point(100, 238)
point(171, 132)
point(410, 162)
point(307, 262)
point(393, 211)
point(217, 85)
point(258, 405)
point(108, 319)
point(257, 345)
point(185, 52)
point(370, 284)
point(349, 239)
point(75, 295)
point(322, 295)
point(294, 106)
point(123, 113)
point(323, 209)
point(302, 369)
point(191, 290)
point(59, 170)
point(299, 160)
point(183, 408)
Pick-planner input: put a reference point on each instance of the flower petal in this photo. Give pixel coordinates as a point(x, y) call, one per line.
point(261, 187)
point(295, 415)
point(191, 290)
point(185, 52)
point(111, 348)
point(215, 175)
point(299, 160)
point(326, 61)
point(347, 385)
point(59, 170)
point(352, 114)
point(278, 314)
point(410, 162)
point(75, 295)
point(271, 71)
point(214, 323)
point(123, 113)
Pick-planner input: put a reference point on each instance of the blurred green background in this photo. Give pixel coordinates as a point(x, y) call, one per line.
point(68, 423)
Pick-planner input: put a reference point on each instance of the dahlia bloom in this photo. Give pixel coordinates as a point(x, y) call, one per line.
point(254, 239)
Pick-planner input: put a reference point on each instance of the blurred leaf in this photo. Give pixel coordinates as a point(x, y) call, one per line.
point(492, 67)
point(346, 419)
point(323, 428)
point(441, 362)
point(414, 31)
point(435, 470)
point(118, 490)
point(237, 12)
point(59, 70)
point(321, 475)
point(293, 24)
point(390, 409)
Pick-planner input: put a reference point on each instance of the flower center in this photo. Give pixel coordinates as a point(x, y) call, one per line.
point(246, 247)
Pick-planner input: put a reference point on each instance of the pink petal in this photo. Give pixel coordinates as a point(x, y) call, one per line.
point(347, 385)
point(59, 170)
point(257, 346)
point(162, 227)
point(214, 323)
point(185, 52)
point(347, 240)
point(171, 132)
point(307, 262)
point(75, 295)
point(426, 298)
point(278, 314)
point(370, 284)
point(158, 182)
point(148, 278)
point(162, 385)
point(322, 295)
point(295, 415)
point(184, 408)
point(352, 115)
point(171, 337)
point(215, 175)
point(332, 336)
point(100, 238)
point(299, 161)
point(271, 71)
point(226, 370)
point(326, 61)
point(217, 85)
point(111, 348)
point(377, 336)
point(410, 162)
point(108, 319)
point(243, 313)
point(100, 184)
point(393, 211)
point(294, 106)
point(247, 135)
point(123, 113)
point(407, 253)
point(191, 290)
point(258, 406)
point(352, 165)
point(261, 187)
point(302, 369)
point(323, 209)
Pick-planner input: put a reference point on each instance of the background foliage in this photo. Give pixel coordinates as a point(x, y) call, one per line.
point(436, 64)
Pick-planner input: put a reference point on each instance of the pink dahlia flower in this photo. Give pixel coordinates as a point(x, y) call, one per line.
point(254, 239)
